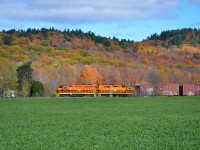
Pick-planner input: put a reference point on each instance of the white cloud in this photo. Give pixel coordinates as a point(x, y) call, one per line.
point(78, 11)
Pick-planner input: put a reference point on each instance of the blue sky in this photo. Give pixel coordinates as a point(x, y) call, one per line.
point(126, 19)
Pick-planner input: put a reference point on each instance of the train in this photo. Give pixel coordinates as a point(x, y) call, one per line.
point(93, 90)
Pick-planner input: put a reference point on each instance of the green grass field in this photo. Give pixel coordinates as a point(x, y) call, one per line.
point(100, 123)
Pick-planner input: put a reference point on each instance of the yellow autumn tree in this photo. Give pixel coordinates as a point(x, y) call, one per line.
point(8, 75)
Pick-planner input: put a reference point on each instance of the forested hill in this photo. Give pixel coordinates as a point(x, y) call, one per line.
point(73, 56)
point(178, 37)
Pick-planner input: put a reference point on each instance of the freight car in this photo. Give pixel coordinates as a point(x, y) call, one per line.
point(93, 90)
point(168, 89)
point(189, 89)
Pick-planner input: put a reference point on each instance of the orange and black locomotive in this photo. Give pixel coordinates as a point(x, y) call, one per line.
point(93, 90)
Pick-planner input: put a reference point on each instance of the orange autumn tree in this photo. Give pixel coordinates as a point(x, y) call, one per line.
point(89, 75)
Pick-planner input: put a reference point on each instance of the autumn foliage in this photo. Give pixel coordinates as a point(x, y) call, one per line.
point(89, 75)
point(76, 57)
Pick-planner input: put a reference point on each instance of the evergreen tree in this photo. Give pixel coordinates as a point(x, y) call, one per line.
point(24, 74)
point(7, 40)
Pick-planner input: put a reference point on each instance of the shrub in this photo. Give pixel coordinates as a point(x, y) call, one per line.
point(37, 89)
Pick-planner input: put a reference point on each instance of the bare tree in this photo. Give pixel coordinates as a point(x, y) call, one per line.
point(125, 75)
point(154, 79)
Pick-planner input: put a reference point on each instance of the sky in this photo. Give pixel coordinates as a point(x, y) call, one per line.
point(124, 19)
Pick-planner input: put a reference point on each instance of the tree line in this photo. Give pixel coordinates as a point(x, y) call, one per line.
point(19, 79)
point(31, 79)
point(178, 37)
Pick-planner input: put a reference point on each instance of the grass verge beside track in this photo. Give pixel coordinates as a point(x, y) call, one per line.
point(100, 123)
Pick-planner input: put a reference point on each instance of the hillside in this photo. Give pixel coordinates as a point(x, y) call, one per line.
point(67, 57)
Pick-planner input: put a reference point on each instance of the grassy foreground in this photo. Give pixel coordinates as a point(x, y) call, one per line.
point(100, 123)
